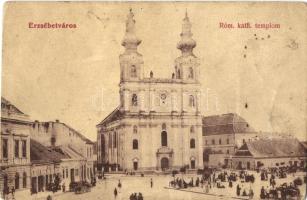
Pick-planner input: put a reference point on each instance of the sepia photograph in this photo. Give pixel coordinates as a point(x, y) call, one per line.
point(153, 100)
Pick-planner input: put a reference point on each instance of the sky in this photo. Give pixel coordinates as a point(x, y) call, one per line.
point(73, 74)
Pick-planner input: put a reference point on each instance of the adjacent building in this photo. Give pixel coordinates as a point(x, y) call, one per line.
point(15, 148)
point(79, 149)
point(157, 125)
point(34, 154)
point(222, 136)
point(45, 166)
point(267, 153)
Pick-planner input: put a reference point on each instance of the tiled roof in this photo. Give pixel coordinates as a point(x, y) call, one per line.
point(40, 154)
point(70, 153)
point(114, 115)
point(225, 124)
point(267, 148)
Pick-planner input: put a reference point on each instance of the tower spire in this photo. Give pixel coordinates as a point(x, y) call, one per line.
point(186, 44)
point(130, 41)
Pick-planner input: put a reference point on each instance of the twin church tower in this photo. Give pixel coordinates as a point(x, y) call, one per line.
point(158, 124)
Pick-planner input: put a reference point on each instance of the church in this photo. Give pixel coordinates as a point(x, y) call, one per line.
point(158, 124)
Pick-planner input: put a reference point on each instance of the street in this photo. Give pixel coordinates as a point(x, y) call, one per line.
point(104, 190)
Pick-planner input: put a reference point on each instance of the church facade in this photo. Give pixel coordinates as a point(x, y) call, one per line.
point(158, 124)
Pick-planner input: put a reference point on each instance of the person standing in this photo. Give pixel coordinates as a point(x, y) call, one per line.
point(238, 190)
point(119, 184)
point(63, 187)
point(151, 183)
point(207, 188)
point(115, 193)
point(13, 192)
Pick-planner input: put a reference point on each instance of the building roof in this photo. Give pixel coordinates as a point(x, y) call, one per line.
point(11, 112)
point(10, 106)
point(113, 116)
point(225, 124)
point(69, 152)
point(304, 143)
point(41, 154)
point(270, 148)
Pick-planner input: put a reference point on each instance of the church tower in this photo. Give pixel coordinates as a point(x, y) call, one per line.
point(131, 62)
point(187, 65)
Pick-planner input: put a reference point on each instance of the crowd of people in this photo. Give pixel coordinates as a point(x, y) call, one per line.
point(135, 196)
point(223, 179)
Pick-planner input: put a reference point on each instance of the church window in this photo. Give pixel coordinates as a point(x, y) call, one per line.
point(213, 142)
point(163, 138)
point(192, 130)
point(134, 100)
point(135, 144)
point(220, 141)
point(191, 101)
point(192, 143)
point(135, 129)
point(133, 71)
point(227, 141)
point(191, 73)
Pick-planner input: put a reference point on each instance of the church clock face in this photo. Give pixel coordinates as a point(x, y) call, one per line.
point(163, 98)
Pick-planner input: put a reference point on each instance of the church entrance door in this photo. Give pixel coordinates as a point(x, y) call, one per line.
point(164, 164)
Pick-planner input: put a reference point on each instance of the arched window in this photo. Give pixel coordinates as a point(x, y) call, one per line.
point(133, 71)
point(114, 140)
point(191, 73)
point(134, 100)
point(192, 130)
point(135, 144)
point(192, 143)
point(163, 138)
point(135, 129)
point(24, 180)
point(16, 181)
point(191, 101)
point(220, 141)
point(213, 142)
point(227, 141)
